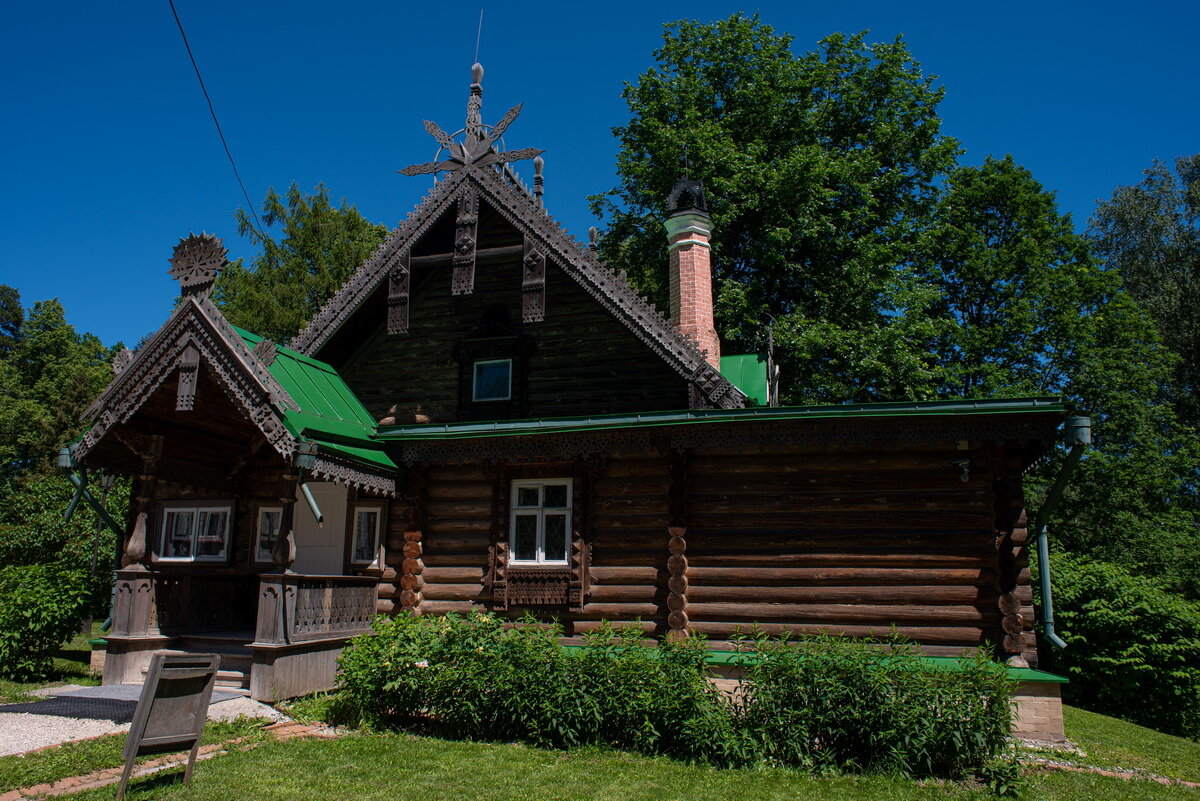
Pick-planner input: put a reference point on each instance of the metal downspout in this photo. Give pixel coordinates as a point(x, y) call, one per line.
point(1079, 436)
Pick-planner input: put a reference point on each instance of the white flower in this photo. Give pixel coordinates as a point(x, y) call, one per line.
point(422, 663)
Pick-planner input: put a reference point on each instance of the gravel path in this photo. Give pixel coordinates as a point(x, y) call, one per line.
point(22, 731)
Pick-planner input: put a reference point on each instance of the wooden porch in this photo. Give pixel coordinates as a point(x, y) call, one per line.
point(278, 634)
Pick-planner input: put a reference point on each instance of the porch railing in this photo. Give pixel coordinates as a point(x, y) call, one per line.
point(295, 608)
point(155, 603)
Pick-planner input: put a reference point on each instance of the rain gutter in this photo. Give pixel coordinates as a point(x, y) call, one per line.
point(1079, 436)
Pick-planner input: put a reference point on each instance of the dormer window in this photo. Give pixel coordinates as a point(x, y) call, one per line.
point(492, 380)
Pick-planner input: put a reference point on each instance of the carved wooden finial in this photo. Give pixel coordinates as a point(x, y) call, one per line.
point(539, 181)
point(266, 351)
point(196, 261)
point(122, 360)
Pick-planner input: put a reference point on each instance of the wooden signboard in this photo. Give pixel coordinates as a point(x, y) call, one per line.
point(171, 710)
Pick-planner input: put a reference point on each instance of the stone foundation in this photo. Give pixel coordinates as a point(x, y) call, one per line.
point(1038, 712)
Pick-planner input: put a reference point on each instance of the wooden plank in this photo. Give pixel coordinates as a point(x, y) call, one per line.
point(944, 635)
point(802, 576)
point(867, 614)
point(878, 594)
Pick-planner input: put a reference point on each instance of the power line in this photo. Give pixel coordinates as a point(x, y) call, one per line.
point(216, 122)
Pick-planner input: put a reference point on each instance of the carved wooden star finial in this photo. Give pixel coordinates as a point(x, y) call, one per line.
point(478, 145)
point(196, 261)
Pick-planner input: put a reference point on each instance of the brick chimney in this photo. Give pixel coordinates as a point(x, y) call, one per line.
point(688, 227)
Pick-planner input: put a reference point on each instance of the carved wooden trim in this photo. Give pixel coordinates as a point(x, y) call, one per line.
point(740, 437)
point(199, 325)
point(537, 579)
point(466, 234)
point(189, 377)
point(354, 475)
point(613, 291)
point(359, 286)
point(411, 580)
point(533, 284)
point(677, 564)
point(399, 281)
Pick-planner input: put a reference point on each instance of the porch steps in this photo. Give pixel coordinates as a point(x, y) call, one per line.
point(233, 648)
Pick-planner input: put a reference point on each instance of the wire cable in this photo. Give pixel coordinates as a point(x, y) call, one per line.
point(216, 122)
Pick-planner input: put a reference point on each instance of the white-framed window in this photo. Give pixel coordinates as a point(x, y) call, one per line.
point(266, 532)
point(491, 380)
point(194, 532)
point(368, 524)
point(540, 522)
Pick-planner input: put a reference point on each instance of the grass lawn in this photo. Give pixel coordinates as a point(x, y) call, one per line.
point(70, 667)
point(382, 766)
point(75, 759)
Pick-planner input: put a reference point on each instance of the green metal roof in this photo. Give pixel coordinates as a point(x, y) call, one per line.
point(558, 425)
point(749, 374)
point(329, 412)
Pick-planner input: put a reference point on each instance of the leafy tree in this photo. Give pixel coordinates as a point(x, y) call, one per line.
point(320, 246)
point(1150, 233)
point(11, 318)
point(1029, 311)
point(820, 170)
point(51, 377)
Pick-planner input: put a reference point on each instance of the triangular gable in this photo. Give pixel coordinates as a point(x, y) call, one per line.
point(197, 330)
point(611, 290)
point(195, 325)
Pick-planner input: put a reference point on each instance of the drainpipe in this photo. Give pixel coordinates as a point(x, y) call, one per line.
point(304, 459)
point(1079, 436)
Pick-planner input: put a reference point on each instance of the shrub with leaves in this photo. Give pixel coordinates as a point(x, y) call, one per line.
point(873, 706)
point(1133, 649)
point(472, 677)
point(828, 703)
point(40, 606)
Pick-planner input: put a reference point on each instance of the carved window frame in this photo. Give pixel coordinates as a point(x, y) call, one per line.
point(380, 510)
point(195, 506)
point(539, 513)
point(578, 546)
point(259, 509)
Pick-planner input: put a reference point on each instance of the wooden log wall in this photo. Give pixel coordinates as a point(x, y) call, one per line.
point(714, 543)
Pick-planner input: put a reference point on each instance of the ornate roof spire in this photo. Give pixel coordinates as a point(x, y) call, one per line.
point(196, 261)
point(477, 147)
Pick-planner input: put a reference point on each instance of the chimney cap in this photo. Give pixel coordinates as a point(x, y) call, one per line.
point(687, 195)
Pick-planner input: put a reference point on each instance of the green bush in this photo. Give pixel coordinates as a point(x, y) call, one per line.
point(822, 704)
point(873, 706)
point(40, 606)
point(1133, 649)
point(472, 677)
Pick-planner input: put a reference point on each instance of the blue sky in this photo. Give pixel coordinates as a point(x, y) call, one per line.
point(110, 155)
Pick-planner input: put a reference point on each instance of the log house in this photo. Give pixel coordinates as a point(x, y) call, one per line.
point(486, 417)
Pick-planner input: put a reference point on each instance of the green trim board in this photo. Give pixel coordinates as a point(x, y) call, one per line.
point(748, 373)
point(557, 425)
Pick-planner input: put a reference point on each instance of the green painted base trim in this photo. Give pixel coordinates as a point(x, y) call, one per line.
point(940, 662)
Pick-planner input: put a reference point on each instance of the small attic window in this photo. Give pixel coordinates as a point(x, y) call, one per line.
point(492, 380)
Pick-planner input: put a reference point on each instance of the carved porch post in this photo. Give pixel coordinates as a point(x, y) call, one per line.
point(677, 583)
point(411, 580)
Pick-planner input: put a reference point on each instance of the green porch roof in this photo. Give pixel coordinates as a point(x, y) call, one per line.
point(559, 425)
point(329, 412)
